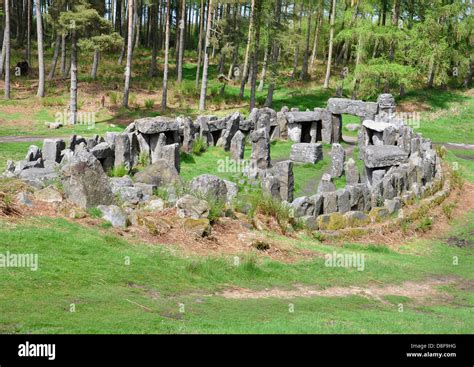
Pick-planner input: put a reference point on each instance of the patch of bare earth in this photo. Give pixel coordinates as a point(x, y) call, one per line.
point(426, 291)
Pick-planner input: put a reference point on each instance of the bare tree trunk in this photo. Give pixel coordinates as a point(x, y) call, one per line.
point(201, 28)
point(304, 68)
point(275, 53)
point(205, 67)
point(468, 79)
point(95, 64)
point(154, 36)
point(167, 52)
point(181, 41)
point(245, 72)
point(63, 54)
point(331, 41)
point(73, 105)
point(55, 57)
point(28, 33)
point(264, 69)
point(316, 38)
point(6, 41)
point(128, 68)
point(253, 81)
point(4, 47)
point(39, 31)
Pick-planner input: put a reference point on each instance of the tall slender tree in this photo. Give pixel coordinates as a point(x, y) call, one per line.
point(181, 40)
point(205, 68)
point(164, 96)
point(331, 41)
point(39, 32)
point(128, 68)
point(6, 40)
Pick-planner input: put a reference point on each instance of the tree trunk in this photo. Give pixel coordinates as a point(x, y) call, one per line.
point(275, 53)
point(4, 48)
point(205, 67)
point(6, 41)
point(253, 81)
point(39, 31)
point(95, 64)
point(264, 69)
point(181, 41)
point(167, 51)
point(201, 28)
point(316, 38)
point(331, 40)
point(154, 37)
point(245, 72)
point(73, 105)
point(304, 68)
point(468, 79)
point(63, 55)
point(55, 57)
point(28, 33)
point(128, 68)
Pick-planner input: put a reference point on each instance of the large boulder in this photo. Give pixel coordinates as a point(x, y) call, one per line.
point(209, 186)
point(114, 214)
point(159, 173)
point(191, 207)
point(85, 182)
point(39, 177)
point(306, 152)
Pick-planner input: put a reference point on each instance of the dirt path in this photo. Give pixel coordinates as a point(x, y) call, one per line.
point(427, 289)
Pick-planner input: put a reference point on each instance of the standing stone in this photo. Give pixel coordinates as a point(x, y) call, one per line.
point(294, 132)
point(284, 173)
point(33, 154)
point(343, 200)
point(302, 206)
point(260, 157)
point(326, 184)
point(352, 173)
point(318, 204)
point(144, 146)
point(329, 202)
point(188, 133)
point(170, 153)
point(122, 151)
point(237, 146)
point(134, 149)
point(283, 122)
point(232, 126)
point(336, 121)
point(85, 182)
point(157, 143)
point(52, 149)
point(159, 173)
point(338, 156)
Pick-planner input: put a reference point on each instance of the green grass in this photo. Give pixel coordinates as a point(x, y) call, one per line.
point(14, 151)
point(90, 272)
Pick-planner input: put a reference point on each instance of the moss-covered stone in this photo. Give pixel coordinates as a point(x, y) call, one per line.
point(333, 221)
point(378, 214)
point(355, 219)
point(197, 227)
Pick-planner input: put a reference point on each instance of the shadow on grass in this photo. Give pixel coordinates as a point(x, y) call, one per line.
point(436, 98)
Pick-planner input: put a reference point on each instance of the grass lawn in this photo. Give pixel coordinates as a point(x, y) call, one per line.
point(87, 268)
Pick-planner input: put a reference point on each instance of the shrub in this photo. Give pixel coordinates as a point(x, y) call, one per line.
point(199, 146)
point(216, 209)
point(149, 103)
point(425, 225)
point(94, 213)
point(113, 97)
point(118, 171)
point(144, 158)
